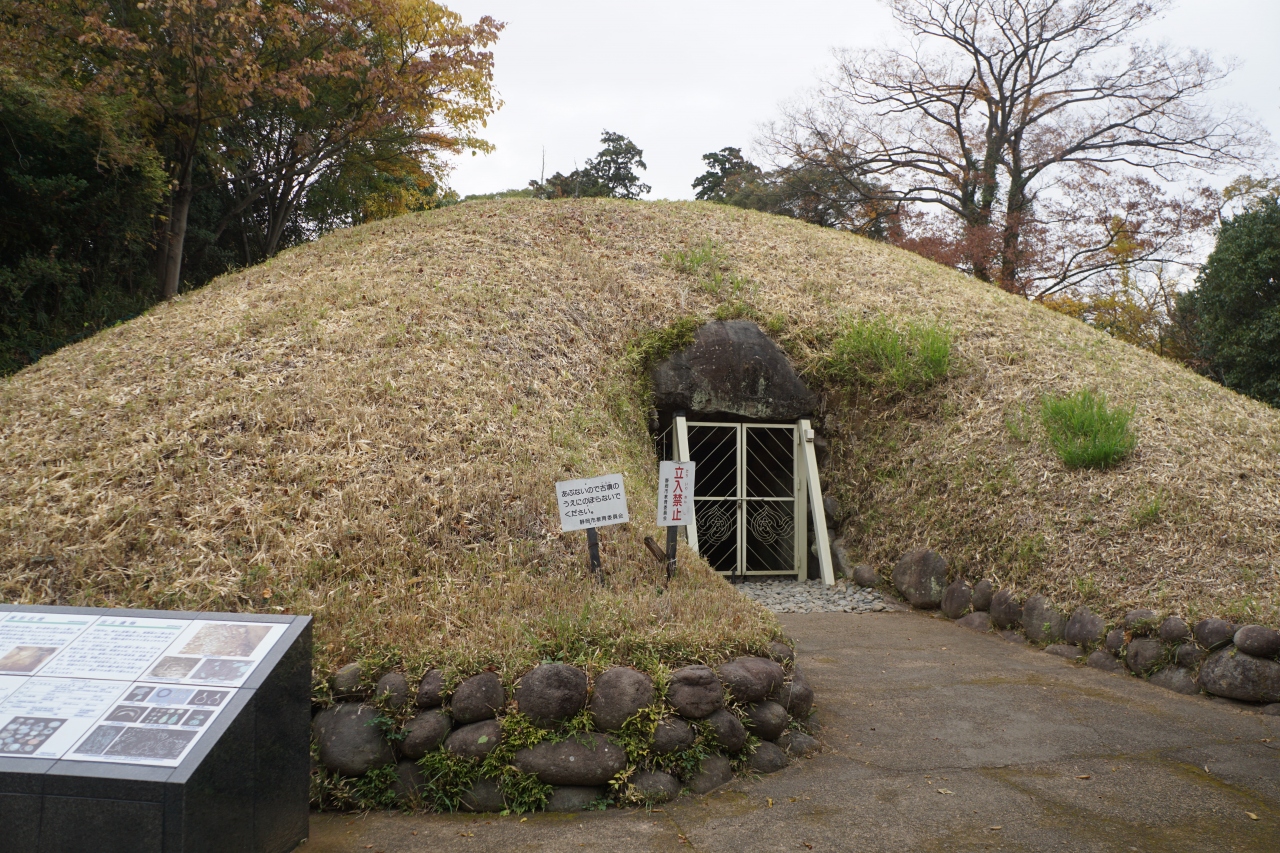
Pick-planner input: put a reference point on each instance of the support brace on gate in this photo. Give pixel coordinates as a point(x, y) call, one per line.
point(813, 491)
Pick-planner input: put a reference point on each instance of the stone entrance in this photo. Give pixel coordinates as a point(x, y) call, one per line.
point(732, 403)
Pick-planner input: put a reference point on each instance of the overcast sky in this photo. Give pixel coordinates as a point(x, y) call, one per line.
point(685, 78)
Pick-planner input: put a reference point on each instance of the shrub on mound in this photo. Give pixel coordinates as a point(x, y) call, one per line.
point(1085, 431)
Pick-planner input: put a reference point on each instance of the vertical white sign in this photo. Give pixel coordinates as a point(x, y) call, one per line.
point(675, 494)
point(594, 502)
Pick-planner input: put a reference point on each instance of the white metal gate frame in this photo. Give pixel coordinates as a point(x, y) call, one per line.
point(807, 495)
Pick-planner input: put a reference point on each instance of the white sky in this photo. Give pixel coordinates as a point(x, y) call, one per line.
point(685, 78)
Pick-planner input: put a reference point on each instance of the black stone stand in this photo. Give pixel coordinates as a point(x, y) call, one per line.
point(243, 787)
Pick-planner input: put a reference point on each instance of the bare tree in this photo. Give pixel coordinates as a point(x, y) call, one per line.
point(1040, 134)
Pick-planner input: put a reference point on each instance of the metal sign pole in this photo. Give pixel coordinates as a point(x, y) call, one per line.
point(671, 552)
point(593, 551)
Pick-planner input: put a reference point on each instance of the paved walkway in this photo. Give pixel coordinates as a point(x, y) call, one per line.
point(939, 739)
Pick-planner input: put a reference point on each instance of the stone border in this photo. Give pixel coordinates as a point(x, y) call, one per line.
point(749, 713)
point(1215, 657)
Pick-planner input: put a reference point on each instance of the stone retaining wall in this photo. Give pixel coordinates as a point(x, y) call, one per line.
point(1213, 657)
point(582, 741)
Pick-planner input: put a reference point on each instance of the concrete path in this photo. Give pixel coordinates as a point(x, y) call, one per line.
point(938, 739)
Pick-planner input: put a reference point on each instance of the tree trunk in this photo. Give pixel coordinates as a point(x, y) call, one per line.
point(1011, 240)
point(177, 234)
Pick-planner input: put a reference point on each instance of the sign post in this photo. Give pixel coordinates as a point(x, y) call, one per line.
point(675, 503)
point(591, 503)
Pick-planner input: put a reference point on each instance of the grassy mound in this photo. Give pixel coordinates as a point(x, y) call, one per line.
point(368, 428)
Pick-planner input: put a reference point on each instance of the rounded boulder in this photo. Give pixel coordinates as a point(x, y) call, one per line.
point(573, 798)
point(979, 620)
point(1064, 651)
point(350, 741)
point(392, 690)
point(426, 731)
point(1141, 621)
point(483, 796)
point(768, 758)
point(1178, 679)
point(672, 734)
point(714, 772)
point(865, 576)
point(1143, 655)
point(751, 679)
point(1174, 630)
point(551, 693)
point(920, 576)
point(694, 692)
point(1258, 640)
point(1084, 628)
point(798, 744)
point(1213, 634)
point(589, 759)
point(730, 734)
point(1006, 610)
point(957, 599)
point(1235, 675)
point(1189, 655)
point(797, 697)
point(478, 698)
point(983, 590)
point(431, 690)
point(766, 719)
point(407, 785)
point(346, 681)
point(782, 653)
point(619, 694)
point(1043, 622)
point(1105, 661)
point(654, 786)
point(475, 740)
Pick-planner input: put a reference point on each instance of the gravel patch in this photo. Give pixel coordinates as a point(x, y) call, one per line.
point(813, 597)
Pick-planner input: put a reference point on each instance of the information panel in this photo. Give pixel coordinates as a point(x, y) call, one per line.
point(118, 688)
point(593, 502)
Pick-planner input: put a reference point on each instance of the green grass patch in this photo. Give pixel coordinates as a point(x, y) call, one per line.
point(703, 260)
point(1086, 431)
point(879, 353)
point(654, 345)
point(707, 263)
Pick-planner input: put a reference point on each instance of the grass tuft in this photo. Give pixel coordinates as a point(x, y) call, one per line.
point(655, 345)
point(1085, 431)
point(878, 353)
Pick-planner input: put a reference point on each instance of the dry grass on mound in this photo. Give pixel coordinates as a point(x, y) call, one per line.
point(368, 429)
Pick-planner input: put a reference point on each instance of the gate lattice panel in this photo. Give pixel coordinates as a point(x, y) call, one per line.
point(746, 511)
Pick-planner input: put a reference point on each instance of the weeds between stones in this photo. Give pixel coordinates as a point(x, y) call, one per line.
point(1085, 431)
point(373, 790)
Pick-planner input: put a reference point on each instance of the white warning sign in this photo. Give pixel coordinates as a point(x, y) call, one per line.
point(594, 502)
point(675, 494)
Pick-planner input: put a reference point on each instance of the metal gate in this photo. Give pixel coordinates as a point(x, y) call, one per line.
point(751, 497)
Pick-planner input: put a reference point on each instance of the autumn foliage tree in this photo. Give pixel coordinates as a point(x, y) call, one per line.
point(263, 100)
point(1026, 140)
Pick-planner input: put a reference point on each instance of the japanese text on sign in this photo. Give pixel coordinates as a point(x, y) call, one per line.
point(675, 494)
point(123, 689)
point(594, 502)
